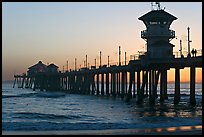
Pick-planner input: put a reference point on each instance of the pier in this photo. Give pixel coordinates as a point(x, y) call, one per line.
point(137, 79)
point(142, 81)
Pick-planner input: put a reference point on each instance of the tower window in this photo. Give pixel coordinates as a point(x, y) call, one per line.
point(153, 23)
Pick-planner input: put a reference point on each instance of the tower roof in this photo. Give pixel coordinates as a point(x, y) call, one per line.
point(39, 64)
point(156, 15)
point(52, 66)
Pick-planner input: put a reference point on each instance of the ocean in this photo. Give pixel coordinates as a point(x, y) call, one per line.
point(28, 110)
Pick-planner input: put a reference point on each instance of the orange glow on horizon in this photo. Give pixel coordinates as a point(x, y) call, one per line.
point(184, 75)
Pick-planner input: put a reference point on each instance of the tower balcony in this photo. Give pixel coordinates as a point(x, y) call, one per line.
point(170, 34)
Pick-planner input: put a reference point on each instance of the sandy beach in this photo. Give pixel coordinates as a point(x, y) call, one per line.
point(182, 130)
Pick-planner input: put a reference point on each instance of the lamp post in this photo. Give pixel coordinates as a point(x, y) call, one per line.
point(189, 53)
point(67, 65)
point(75, 63)
point(100, 58)
point(86, 61)
point(119, 56)
point(125, 58)
point(108, 61)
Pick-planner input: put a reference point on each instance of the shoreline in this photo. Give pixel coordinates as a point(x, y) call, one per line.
point(182, 130)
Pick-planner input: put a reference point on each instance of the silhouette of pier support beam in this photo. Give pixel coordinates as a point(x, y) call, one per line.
point(111, 84)
point(68, 83)
point(192, 86)
point(150, 87)
point(64, 83)
point(163, 85)
point(123, 85)
point(35, 84)
point(118, 83)
point(126, 83)
point(75, 83)
point(144, 81)
point(157, 73)
point(84, 84)
point(30, 82)
point(97, 84)
point(146, 84)
point(66, 79)
point(14, 81)
point(87, 84)
point(102, 84)
point(78, 83)
point(141, 92)
point(19, 82)
point(177, 86)
point(114, 84)
point(129, 94)
point(107, 84)
point(134, 94)
point(153, 81)
point(71, 82)
point(93, 85)
point(26, 82)
point(138, 82)
point(22, 84)
point(61, 83)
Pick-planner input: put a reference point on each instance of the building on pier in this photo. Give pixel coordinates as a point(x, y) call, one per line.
point(39, 67)
point(42, 68)
point(157, 33)
point(52, 68)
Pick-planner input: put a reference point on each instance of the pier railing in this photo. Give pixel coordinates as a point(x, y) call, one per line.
point(145, 34)
point(179, 54)
point(138, 55)
point(176, 54)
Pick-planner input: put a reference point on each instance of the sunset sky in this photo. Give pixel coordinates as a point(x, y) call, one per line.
point(56, 32)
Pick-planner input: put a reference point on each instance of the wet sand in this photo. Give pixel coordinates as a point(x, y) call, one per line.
point(182, 130)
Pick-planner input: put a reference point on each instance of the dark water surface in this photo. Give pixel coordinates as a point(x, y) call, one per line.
point(28, 110)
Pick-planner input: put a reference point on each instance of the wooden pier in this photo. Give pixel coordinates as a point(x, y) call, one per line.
point(138, 79)
point(142, 80)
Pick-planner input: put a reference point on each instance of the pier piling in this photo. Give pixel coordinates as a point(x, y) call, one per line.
point(192, 86)
point(177, 86)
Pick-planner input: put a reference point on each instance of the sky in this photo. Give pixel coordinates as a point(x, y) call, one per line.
point(55, 32)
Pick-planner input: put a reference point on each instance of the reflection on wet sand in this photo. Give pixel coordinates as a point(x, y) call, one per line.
point(182, 130)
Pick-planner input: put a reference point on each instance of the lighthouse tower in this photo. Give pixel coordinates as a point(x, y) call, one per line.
point(158, 34)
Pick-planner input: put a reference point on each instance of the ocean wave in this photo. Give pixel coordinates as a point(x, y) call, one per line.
point(35, 94)
point(19, 95)
point(30, 115)
point(50, 95)
point(10, 96)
